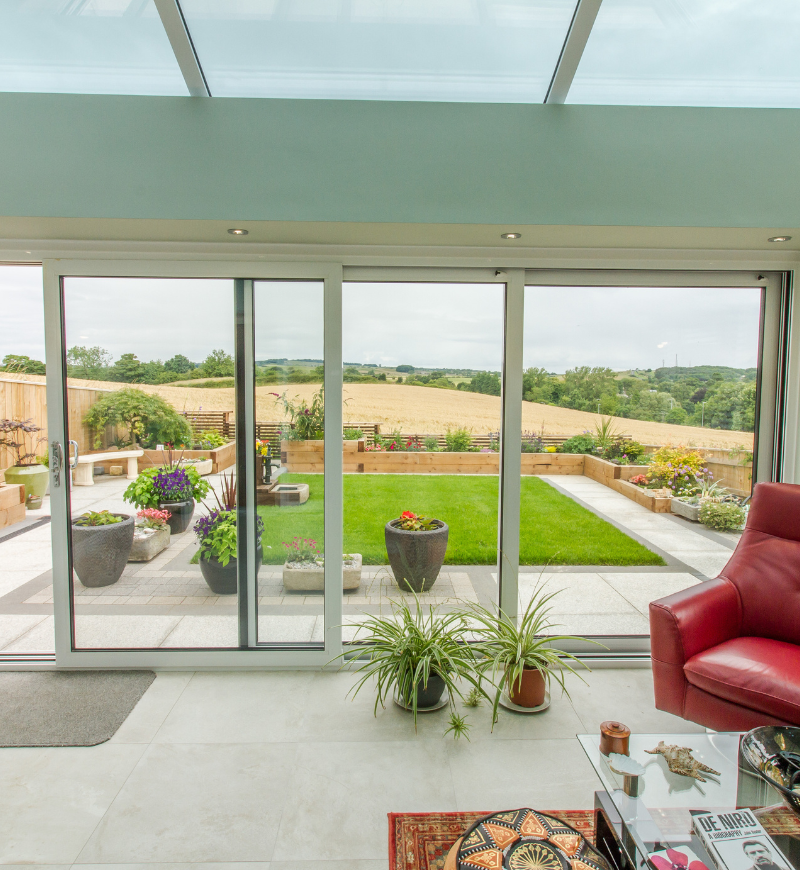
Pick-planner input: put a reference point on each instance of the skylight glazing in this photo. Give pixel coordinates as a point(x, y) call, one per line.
point(692, 53)
point(86, 46)
point(448, 50)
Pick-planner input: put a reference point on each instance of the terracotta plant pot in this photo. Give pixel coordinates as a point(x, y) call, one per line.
point(528, 691)
point(416, 557)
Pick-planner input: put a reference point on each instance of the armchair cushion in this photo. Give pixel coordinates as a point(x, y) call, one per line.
point(754, 672)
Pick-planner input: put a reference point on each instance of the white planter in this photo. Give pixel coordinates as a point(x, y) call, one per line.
point(304, 577)
point(685, 509)
point(203, 466)
point(146, 547)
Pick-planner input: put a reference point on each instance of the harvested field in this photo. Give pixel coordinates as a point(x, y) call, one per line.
point(428, 410)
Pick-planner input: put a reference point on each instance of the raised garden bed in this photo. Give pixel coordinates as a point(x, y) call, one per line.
point(12, 504)
point(221, 457)
point(307, 457)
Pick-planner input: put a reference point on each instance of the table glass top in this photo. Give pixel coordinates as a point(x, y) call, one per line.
point(660, 811)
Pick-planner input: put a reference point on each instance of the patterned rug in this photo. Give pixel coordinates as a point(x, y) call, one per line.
point(421, 841)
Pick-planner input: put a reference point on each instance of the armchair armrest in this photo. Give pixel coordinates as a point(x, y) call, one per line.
point(684, 624)
point(693, 620)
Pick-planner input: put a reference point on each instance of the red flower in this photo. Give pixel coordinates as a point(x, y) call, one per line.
point(407, 515)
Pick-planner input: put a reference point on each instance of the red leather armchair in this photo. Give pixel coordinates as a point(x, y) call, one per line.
point(726, 653)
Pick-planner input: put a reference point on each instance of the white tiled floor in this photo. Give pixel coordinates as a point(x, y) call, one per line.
point(280, 771)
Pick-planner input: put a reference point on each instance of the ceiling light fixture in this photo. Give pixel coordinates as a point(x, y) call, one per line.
point(780, 239)
point(238, 232)
point(511, 235)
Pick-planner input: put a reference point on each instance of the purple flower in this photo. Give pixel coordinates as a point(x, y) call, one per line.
point(172, 486)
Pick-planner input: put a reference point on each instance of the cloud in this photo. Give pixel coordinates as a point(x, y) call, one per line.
point(663, 344)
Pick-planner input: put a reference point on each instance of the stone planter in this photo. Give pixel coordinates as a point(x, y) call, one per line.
point(148, 546)
point(182, 513)
point(306, 577)
point(223, 579)
point(99, 553)
point(416, 557)
point(203, 466)
point(34, 478)
point(685, 509)
point(528, 690)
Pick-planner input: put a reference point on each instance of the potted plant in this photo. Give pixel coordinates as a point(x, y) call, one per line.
point(416, 548)
point(19, 437)
point(414, 657)
point(216, 534)
point(101, 544)
point(521, 654)
point(306, 422)
point(173, 488)
point(150, 535)
point(304, 568)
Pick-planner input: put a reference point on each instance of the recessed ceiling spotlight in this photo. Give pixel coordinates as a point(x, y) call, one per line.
point(238, 232)
point(510, 235)
point(780, 239)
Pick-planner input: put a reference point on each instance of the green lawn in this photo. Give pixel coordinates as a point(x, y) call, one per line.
point(555, 529)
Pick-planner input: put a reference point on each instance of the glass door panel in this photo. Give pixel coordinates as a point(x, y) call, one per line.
point(290, 467)
point(422, 417)
point(149, 401)
point(615, 378)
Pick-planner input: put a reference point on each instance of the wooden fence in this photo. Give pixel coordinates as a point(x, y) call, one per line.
point(24, 400)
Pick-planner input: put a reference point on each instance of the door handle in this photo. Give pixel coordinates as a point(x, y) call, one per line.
point(73, 462)
point(56, 461)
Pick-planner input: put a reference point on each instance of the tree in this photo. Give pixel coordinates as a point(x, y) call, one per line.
point(180, 364)
point(91, 363)
point(22, 364)
point(487, 383)
point(145, 416)
point(405, 368)
point(218, 364)
point(128, 369)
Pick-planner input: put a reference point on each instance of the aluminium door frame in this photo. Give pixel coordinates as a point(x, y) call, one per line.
point(254, 656)
point(770, 437)
point(332, 273)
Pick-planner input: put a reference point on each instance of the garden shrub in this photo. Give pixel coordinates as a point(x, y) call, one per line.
point(209, 439)
point(458, 441)
point(722, 516)
point(146, 417)
point(432, 444)
point(583, 443)
point(681, 469)
point(353, 434)
point(532, 443)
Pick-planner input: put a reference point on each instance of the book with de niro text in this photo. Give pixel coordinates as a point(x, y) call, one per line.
point(736, 840)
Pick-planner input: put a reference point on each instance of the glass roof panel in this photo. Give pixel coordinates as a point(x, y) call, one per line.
point(692, 53)
point(459, 50)
point(86, 46)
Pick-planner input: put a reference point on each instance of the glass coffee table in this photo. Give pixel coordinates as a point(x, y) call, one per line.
point(634, 817)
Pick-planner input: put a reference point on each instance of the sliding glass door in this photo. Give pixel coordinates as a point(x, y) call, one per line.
point(234, 445)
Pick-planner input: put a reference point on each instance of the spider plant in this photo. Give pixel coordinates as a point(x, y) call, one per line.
point(508, 646)
point(406, 648)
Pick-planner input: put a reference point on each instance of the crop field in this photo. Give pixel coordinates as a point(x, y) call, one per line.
point(428, 410)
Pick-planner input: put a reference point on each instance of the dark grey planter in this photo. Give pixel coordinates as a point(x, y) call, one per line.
point(99, 553)
point(416, 557)
point(428, 697)
point(223, 579)
point(182, 513)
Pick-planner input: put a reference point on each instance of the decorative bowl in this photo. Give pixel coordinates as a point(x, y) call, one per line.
point(773, 751)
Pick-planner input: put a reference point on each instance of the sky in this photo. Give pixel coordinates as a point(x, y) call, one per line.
point(425, 325)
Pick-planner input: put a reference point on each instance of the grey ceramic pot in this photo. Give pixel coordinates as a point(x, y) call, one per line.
point(223, 579)
point(416, 557)
point(182, 513)
point(99, 553)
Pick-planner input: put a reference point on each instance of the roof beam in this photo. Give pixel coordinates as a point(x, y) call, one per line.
point(580, 29)
point(180, 39)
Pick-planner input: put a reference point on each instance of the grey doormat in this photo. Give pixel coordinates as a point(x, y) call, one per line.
point(67, 708)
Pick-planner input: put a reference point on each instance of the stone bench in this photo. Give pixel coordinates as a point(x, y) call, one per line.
point(84, 470)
